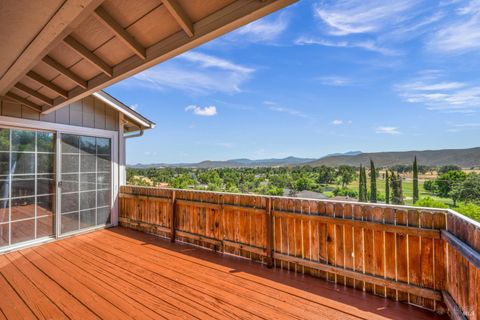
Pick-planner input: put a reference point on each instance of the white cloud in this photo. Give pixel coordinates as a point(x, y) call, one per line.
point(204, 112)
point(340, 122)
point(368, 45)
point(459, 34)
point(436, 86)
point(194, 72)
point(463, 126)
point(134, 106)
point(208, 61)
point(334, 81)
point(429, 89)
point(264, 30)
point(387, 130)
point(273, 106)
point(346, 17)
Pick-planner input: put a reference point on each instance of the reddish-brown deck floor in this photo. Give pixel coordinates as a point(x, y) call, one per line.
point(119, 273)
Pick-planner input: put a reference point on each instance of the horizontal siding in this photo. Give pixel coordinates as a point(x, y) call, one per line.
point(88, 112)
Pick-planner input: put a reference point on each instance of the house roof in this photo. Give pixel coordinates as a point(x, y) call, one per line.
point(59, 51)
point(134, 119)
point(304, 194)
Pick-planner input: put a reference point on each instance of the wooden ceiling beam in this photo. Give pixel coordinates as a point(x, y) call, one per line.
point(44, 82)
point(24, 101)
point(88, 55)
point(33, 93)
point(64, 71)
point(180, 16)
point(230, 17)
point(104, 17)
point(67, 18)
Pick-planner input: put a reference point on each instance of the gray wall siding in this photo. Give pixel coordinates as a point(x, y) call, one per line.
point(88, 112)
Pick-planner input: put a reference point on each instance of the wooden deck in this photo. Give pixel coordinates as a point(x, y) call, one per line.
point(120, 273)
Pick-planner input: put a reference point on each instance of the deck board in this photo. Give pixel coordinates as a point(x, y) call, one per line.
point(120, 273)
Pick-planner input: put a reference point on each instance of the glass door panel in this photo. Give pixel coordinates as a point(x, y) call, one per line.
point(86, 182)
point(27, 185)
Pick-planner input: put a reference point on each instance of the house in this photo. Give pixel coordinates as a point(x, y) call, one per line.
point(61, 173)
point(303, 194)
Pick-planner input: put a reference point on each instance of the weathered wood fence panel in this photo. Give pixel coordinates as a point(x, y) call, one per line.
point(397, 252)
point(463, 265)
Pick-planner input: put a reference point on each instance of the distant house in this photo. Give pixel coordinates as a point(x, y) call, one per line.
point(344, 198)
point(304, 194)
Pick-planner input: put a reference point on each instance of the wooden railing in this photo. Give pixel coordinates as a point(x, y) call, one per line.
point(426, 257)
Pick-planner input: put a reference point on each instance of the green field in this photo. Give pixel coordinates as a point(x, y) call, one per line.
point(407, 190)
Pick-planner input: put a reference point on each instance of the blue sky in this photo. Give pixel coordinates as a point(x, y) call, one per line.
point(316, 78)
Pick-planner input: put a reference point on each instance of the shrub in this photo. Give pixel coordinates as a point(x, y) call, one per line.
point(471, 210)
point(429, 185)
point(345, 192)
point(430, 203)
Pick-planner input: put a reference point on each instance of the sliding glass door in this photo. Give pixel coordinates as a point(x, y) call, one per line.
point(30, 161)
point(86, 190)
point(27, 185)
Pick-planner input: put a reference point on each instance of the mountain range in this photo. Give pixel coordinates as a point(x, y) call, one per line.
point(233, 163)
point(465, 158)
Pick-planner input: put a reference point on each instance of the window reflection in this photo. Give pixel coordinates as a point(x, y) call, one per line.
point(23, 163)
point(23, 230)
point(27, 185)
point(4, 139)
point(86, 182)
point(23, 208)
point(23, 186)
point(23, 140)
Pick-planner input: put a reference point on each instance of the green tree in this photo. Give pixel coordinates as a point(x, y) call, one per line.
point(346, 174)
point(447, 168)
point(182, 181)
point(387, 187)
point(468, 190)
point(445, 182)
point(397, 190)
point(303, 183)
point(326, 175)
point(364, 182)
point(415, 181)
point(361, 196)
point(430, 185)
point(373, 182)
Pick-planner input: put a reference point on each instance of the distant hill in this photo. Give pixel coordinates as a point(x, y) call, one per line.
point(464, 158)
point(349, 153)
point(234, 163)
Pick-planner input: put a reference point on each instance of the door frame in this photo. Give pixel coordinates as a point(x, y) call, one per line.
point(58, 129)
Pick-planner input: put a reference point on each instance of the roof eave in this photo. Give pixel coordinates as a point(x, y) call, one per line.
point(124, 109)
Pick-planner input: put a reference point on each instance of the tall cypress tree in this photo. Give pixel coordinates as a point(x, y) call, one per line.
point(364, 184)
point(373, 182)
point(415, 181)
point(361, 196)
point(387, 188)
point(400, 190)
point(397, 190)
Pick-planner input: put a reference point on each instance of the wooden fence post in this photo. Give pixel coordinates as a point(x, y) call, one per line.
point(222, 223)
point(269, 233)
point(173, 217)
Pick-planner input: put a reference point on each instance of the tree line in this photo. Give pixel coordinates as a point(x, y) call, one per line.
point(451, 182)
